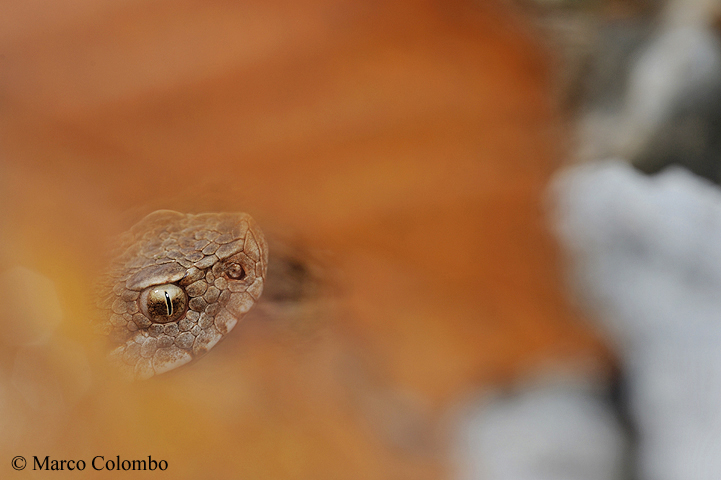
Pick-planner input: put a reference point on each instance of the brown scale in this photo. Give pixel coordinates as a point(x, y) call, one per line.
point(179, 286)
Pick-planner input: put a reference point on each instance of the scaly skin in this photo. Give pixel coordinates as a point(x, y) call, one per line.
point(214, 264)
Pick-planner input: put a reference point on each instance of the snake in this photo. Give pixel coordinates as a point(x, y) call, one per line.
point(178, 285)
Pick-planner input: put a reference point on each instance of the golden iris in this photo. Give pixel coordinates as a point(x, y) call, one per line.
point(163, 303)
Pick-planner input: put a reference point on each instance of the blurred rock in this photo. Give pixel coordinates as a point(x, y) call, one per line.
point(560, 431)
point(647, 260)
point(667, 109)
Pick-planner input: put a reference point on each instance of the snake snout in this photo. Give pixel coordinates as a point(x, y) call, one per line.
point(182, 283)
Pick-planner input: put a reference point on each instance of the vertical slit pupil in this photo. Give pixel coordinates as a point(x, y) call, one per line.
point(168, 303)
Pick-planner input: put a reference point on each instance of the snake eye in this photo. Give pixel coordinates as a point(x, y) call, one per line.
point(163, 303)
point(235, 270)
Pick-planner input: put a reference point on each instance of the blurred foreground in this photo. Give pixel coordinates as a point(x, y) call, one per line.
point(644, 262)
point(405, 145)
point(398, 156)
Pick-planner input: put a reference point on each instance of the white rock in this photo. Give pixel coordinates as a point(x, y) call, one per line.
point(647, 257)
point(556, 432)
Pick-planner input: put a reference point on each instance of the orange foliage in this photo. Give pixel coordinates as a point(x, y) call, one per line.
point(410, 140)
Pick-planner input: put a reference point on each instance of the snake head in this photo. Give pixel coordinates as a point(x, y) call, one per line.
point(179, 284)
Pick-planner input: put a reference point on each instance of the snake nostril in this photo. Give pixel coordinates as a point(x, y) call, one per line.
point(236, 271)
